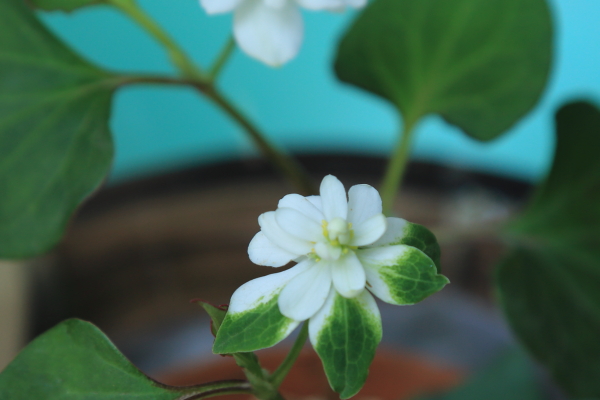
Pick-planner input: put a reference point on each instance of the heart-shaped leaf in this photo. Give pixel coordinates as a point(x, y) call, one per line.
point(549, 282)
point(55, 143)
point(480, 64)
point(74, 360)
point(63, 5)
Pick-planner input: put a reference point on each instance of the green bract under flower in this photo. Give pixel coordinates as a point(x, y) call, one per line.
point(346, 251)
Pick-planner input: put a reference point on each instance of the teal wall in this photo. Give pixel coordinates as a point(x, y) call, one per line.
point(300, 105)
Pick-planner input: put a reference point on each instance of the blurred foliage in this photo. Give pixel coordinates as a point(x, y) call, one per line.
point(55, 143)
point(549, 283)
point(511, 376)
point(74, 360)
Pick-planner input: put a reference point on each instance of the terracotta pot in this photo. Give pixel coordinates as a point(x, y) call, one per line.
point(393, 375)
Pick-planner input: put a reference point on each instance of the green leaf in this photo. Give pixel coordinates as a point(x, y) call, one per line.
point(216, 314)
point(549, 281)
point(74, 360)
point(345, 335)
point(401, 231)
point(480, 64)
point(512, 372)
point(419, 237)
point(63, 5)
point(401, 274)
point(55, 144)
point(257, 328)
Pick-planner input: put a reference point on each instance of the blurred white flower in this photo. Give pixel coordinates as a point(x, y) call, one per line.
point(272, 30)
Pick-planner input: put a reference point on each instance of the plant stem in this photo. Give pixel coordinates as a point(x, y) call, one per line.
point(396, 168)
point(178, 57)
point(212, 389)
point(193, 76)
point(281, 372)
point(222, 59)
point(286, 165)
point(262, 387)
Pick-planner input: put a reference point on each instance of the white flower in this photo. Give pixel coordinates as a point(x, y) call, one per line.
point(326, 235)
point(271, 30)
point(346, 251)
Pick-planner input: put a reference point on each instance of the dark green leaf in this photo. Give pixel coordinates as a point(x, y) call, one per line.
point(345, 335)
point(75, 361)
point(549, 282)
point(510, 377)
point(480, 64)
point(401, 231)
point(63, 5)
point(418, 236)
point(55, 144)
point(401, 274)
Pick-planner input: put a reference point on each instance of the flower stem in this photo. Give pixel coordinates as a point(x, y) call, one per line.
point(212, 389)
point(281, 372)
point(193, 76)
point(396, 168)
point(262, 387)
point(221, 60)
point(286, 165)
point(178, 57)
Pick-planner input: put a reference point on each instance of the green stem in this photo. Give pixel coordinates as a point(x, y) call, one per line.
point(178, 57)
point(281, 372)
point(286, 165)
point(226, 52)
point(259, 379)
point(396, 168)
point(212, 389)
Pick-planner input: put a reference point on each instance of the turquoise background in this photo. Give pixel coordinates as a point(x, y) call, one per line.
point(301, 106)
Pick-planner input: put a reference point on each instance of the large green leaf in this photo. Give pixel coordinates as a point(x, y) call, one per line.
point(480, 64)
point(55, 144)
point(75, 361)
point(549, 283)
point(63, 5)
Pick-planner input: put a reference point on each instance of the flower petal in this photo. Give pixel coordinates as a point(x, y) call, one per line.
point(306, 293)
point(400, 274)
point(316, 201)
point(320, 4)
point(393, 234)
point(363, 202)
point(276, 3)
point(271, 35)
point(369, 231)
point(303, 205)
point(345, 334)
point(253, 320)
point(262, 290)
point(219, 6)
point(348, 275)
point(356, 3)
point(295, 223)
point(333, 198)
point(279, 237)
point(263, 252)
